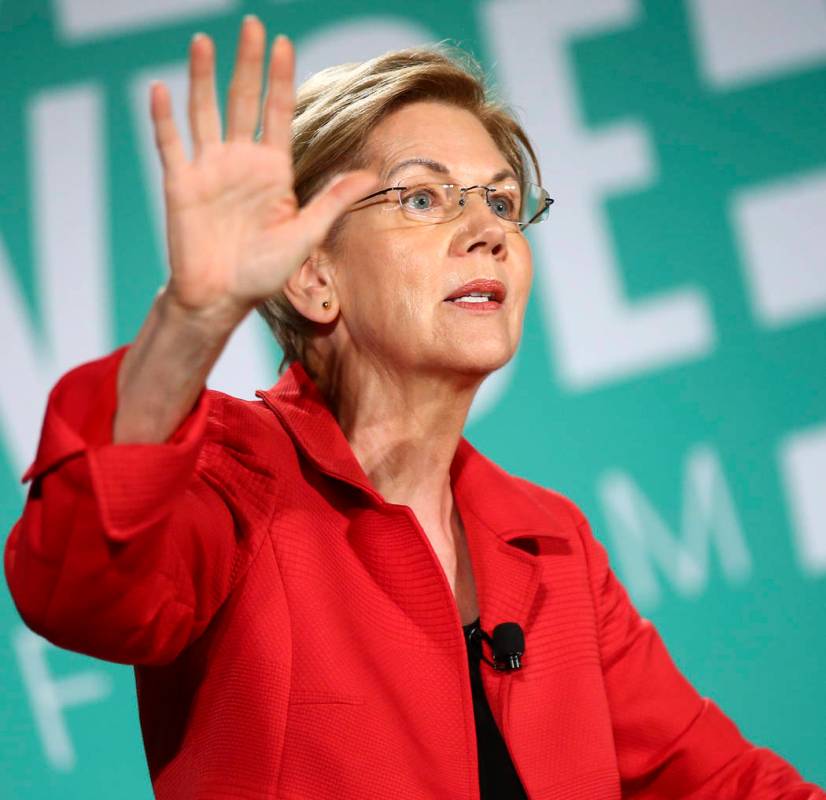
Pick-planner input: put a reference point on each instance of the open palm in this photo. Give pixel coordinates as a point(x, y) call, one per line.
point(234, 229)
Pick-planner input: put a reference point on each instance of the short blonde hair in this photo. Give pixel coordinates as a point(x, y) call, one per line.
point(338, 107)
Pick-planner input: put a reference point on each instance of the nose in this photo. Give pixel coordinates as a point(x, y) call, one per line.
point(480, 230)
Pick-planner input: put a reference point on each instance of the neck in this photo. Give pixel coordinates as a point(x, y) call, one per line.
point(404, 431)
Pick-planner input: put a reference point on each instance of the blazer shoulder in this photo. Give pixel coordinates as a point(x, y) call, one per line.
point(244, 433)
point(552, 500)
point(514, 500)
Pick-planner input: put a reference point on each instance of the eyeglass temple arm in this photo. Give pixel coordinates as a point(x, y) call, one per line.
point(545, 205)
point(381, 191)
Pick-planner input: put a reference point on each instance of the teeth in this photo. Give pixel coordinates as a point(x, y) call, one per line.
point(476, 297)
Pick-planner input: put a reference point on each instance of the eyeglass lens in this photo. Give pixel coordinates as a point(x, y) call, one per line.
point(440, 201)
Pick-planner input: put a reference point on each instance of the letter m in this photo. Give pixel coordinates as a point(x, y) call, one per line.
point(644, 545)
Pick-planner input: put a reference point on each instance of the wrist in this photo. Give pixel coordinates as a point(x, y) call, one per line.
point(217, 321)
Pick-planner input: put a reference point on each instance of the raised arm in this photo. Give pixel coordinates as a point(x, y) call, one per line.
point(235, 232)
point(135, 528)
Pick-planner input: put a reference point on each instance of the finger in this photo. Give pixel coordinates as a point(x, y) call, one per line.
point(245, 88)
point(204, 119)
point(168, 141)
point(280, 102)
point(314, 221)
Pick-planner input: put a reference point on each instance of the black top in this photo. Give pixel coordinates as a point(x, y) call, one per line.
point(497, 776)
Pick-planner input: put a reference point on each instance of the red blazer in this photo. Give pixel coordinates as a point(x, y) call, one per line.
point(294, 635)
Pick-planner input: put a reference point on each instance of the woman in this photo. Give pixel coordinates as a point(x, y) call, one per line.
point(291, 577)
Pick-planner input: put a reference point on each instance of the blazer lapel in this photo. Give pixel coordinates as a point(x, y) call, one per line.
point(305, 415)
point(509, 534)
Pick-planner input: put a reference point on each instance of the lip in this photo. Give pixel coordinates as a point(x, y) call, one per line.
point(495, 288)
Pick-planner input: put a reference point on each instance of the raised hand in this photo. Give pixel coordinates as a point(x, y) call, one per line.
point(234, 229)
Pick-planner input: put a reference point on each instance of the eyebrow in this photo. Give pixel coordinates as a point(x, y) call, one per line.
point(435, 166)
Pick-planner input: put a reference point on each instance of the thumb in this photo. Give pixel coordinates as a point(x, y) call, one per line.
point(314, 220)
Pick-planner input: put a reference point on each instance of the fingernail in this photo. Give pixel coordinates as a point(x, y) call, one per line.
point(196, 36)
point(248, 17)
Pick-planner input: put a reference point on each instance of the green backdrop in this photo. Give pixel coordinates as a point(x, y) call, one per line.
point(671, 377)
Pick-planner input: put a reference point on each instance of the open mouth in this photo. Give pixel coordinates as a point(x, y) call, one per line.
point(482, 301)
point(481, 294)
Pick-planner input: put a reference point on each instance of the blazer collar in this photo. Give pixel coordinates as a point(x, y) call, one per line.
point(302, 410)
point(480, 487)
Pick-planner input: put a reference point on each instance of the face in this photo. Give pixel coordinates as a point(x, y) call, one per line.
point(392, 275)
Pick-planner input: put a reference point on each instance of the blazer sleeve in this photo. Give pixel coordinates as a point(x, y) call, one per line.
point(123, 551)
point(670, 742)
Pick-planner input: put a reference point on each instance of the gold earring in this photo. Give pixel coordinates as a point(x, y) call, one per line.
point(326, 304)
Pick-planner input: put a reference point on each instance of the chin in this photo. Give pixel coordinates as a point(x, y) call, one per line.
point(480, 360)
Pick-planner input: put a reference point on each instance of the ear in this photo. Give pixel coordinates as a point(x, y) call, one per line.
point(310, 286)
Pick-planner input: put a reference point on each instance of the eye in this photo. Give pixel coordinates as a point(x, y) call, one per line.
point(504, 204)
point(423, 198)
point(420, 200)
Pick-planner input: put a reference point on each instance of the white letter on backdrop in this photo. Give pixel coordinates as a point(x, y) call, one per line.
point(598, 336)
point(70, 273)
point(802, 457)
point(49, 696)
point(641, 537)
